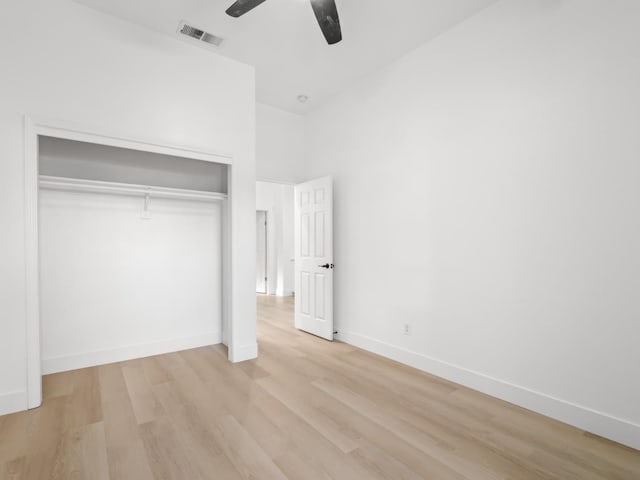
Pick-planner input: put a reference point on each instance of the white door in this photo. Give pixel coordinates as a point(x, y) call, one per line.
point(314, 257)
point(261, 251)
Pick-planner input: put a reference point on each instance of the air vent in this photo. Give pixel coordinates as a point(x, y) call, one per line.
point(192, 32)
point(212, 39)
point(197, 34)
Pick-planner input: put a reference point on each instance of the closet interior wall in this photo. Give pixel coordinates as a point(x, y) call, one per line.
point(130, 253)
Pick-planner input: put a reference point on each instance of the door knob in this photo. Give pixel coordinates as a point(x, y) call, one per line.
point(326, 265)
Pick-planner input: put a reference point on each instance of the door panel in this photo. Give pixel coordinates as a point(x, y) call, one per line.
point(304, 236)
point(320, 218)
point(314, 257)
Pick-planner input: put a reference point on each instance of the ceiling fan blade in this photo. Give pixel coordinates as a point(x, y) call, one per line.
point(241, 7)
point(327, 15)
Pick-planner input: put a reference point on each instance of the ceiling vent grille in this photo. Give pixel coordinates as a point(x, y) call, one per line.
point(197, 34)
point(212, 39)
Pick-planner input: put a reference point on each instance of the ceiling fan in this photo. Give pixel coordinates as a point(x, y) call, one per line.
point(325, 11)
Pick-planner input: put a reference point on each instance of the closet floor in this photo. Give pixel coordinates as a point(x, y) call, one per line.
point(306, 409)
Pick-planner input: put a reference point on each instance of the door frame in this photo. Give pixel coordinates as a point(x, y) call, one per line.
point(266, 251)
point(33, 129)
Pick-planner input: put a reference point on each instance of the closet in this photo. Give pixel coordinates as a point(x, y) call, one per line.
point(130, 247)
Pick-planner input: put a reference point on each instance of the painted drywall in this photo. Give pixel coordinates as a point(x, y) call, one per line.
point(487, 194)
point(279, 145)
point(111, 280)
point(70, 63)
point(277, 200)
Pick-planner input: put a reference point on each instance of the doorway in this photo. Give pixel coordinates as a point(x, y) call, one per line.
point(261, 252)
point(275, 200)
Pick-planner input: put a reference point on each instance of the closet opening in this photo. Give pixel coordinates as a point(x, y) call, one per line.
point(130, 252)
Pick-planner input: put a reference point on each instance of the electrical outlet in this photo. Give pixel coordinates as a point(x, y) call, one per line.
point(407, 329)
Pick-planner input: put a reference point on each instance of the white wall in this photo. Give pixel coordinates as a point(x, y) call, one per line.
point(115, 286)
point(277, 200)
point(487, 193)
point(279, 145)
point(64, 61)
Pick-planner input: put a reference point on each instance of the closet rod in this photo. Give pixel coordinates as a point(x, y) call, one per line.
point(81, 185)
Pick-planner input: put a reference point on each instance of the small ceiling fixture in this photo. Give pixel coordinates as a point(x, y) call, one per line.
point(303, 98)
point(325, 11)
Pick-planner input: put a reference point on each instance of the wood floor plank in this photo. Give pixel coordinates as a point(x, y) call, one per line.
point(166, 455)
point(16, 431)
point(155, 371)
point(199, 361)
point(544, 434)
point(296, 444)
point(438, 417)
point(302, 406)
point(193, 407)
point(253, 370)
point(305, 409)
point(15, 469)
point(294, 465)
point(190, 424)
point(85, 407)
point(409, 433)
point(244, 452)
point(82, 454)
point(374, 434)
point(126, 455)
point(145, 404)
point(57, 385)
point(381, 464)
point(44, 444)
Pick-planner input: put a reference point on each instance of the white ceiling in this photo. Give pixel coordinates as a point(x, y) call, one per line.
point(283, 41)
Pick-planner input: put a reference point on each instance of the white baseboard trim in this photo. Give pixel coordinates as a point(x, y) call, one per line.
point(608, 426)
point(13, 402)
point(243, 353)
point(101, 357)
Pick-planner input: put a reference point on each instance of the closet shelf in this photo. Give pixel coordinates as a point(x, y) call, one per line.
point(81, 185)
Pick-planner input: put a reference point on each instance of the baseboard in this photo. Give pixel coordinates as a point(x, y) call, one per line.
point(101, 357)
point(607, 426)
point(243, 352)
point(13, 402)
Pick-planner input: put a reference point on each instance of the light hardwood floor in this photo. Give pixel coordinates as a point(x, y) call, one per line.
point(306, 409)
